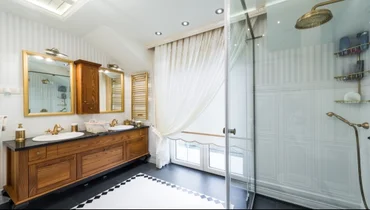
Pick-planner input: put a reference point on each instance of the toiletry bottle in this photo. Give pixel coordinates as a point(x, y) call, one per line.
point(74, 127)
point(20, 133)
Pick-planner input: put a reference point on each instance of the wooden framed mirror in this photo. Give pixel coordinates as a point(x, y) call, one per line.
point(111, 90)
point(48, 85)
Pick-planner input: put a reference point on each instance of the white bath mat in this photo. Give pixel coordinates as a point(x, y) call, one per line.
point(143, 191)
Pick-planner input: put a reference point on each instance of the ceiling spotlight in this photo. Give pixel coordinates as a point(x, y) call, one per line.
point(219, 11)
point(278, 22)
point(38, 57)
point(158, 33)
point(55, 52)
point(185, 23)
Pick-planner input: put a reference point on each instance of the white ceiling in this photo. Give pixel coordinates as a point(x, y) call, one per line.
point(122, 28)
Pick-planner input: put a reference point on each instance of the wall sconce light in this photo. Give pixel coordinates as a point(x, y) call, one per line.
point(55, 52)
point(114, 66)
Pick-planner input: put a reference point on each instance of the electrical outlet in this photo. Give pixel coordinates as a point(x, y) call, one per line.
point(10, 91)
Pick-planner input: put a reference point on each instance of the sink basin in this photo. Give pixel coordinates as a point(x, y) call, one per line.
point(120, 127)
point(60, 136)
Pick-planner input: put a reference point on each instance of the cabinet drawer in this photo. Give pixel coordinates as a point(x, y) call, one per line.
point(98, 142)
point(51, 174)
point(95, 161)
point(136, 148)
point(37, 154)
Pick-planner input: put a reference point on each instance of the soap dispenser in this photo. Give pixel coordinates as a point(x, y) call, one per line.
point(20, 133)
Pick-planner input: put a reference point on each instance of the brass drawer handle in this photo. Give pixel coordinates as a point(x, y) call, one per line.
point(37, 153)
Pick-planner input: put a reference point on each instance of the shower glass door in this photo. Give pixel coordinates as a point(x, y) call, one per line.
point(239, 104)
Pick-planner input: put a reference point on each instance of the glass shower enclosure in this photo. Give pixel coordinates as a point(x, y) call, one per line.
point(297, 96)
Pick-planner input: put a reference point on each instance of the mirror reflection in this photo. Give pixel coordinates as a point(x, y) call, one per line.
point(111, 87)
point(48, 85)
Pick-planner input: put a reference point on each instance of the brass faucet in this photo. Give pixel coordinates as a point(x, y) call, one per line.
point(57, 128)
point(113, 123)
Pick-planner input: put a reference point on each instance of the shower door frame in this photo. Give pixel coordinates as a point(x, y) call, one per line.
point(227, 22)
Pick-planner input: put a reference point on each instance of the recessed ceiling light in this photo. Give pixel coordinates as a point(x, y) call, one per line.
point(38, 57)
point(219, 11)
point(278, 22)
point(158, 33)
point(185, 23)
point(49, 60)
point(248, 29)
point(263, 34)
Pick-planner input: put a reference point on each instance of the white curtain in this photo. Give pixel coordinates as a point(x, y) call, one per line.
point(187, 75)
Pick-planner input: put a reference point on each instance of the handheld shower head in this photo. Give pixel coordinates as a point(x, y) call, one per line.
point(330, 114)
point(364, 125)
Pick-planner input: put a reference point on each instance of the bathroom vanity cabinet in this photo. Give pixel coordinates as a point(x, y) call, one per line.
point(38, 168)
point(87, 76)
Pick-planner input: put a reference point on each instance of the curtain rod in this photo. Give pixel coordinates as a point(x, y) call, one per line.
point(209, 27)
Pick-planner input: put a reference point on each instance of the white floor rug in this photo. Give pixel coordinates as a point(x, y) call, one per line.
point(143, 191)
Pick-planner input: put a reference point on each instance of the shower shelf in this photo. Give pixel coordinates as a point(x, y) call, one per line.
point(352, 50)
point(354, 76)
point(352, 102)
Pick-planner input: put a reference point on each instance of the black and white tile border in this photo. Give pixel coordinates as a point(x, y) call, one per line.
point(154, 179)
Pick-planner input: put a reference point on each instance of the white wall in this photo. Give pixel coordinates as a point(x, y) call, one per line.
point(303, 156)
point(17, 34)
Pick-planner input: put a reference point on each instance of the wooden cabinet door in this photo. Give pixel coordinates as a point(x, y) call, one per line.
point(90, 81)
point(98, 160)
point(136, 148)
point(51, 174)
point(87, 87)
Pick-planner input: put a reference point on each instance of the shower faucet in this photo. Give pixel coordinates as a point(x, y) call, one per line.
point(363, 125)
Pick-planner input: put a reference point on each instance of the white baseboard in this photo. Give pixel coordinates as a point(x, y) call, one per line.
point(303, 198)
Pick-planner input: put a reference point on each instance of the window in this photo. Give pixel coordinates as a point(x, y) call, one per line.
point(210, 158)
point(188, 152)
point(217, 159)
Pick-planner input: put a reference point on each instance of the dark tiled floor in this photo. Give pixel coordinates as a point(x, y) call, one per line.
point(202, 182)
point(262, 202)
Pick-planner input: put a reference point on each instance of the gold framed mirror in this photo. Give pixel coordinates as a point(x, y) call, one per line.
point(111, 90)
point(48, 85)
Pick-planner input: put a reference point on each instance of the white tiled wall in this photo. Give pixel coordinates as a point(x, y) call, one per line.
point(303, 156)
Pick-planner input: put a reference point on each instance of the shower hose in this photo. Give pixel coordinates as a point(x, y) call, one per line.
point(359, 167)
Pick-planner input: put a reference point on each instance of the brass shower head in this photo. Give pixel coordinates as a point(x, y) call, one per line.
point(316, 17)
